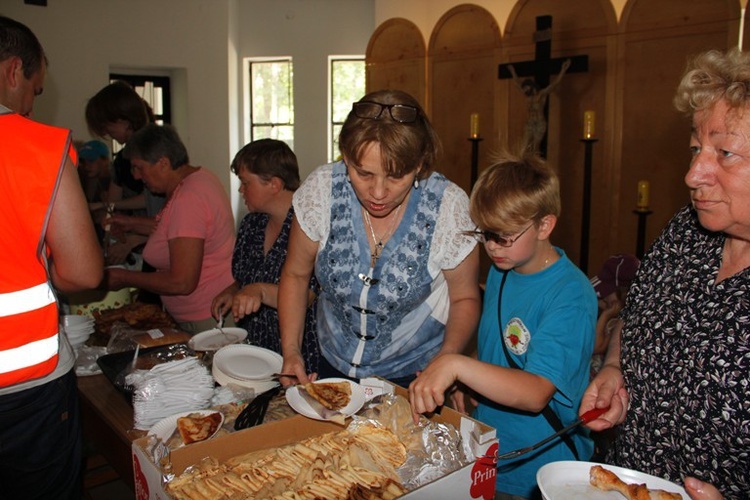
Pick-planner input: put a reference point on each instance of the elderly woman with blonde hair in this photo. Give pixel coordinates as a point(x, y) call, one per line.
point(677, 373)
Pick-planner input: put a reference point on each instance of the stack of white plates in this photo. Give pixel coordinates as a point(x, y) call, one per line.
point(247, 366)
point(78, 329)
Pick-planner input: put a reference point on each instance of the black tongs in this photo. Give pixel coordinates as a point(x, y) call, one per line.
point(255, 411)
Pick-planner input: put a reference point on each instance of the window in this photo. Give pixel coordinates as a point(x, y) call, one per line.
point(271, 100)
point(346, 85)
point(152, 89)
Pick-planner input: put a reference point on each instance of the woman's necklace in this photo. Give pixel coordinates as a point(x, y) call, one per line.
point(375, 255)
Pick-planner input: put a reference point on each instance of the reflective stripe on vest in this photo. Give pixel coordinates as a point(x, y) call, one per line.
point(29, 354)
point(30, 170)
point(27, 300)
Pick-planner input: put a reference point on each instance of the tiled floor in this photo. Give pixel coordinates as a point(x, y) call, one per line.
point(101, 482)
point(115, 490)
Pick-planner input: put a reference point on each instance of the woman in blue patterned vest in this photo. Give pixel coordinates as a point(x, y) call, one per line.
point(382, 233)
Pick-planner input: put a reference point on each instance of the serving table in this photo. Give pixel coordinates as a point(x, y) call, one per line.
point(108, 423)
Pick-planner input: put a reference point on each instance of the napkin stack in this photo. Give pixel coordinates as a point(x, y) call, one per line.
point(169, 388)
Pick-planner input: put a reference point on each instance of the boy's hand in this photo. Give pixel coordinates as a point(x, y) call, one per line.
point(458, 398)
point(427, 392)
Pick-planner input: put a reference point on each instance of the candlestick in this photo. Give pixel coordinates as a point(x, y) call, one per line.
point(589, 118)
point(643, 195)
point(474, 126)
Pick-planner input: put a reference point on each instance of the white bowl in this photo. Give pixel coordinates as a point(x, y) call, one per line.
point(75, 320)
point(87, 327)
point(77, 332)
point(78, 336)
point(75, 344)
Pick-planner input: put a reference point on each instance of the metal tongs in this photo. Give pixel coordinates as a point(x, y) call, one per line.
point(583, 419)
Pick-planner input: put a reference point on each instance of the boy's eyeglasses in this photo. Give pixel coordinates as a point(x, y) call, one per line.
point(503, 241)
point(402, 113)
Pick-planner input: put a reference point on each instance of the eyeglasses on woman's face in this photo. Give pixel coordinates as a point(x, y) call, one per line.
point(402, 113)
point(498, 239)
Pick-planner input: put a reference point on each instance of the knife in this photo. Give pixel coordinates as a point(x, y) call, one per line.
point(320, 410)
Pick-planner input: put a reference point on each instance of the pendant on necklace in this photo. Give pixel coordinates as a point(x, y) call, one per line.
point(375, 255)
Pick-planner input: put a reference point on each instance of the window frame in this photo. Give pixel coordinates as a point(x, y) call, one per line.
point(162, 82)
point(250, 124)
point(332, 144)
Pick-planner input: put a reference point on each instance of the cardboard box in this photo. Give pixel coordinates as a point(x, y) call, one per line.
point(475, 480)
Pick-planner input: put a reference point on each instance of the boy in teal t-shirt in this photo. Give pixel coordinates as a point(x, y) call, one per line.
point(542, 308)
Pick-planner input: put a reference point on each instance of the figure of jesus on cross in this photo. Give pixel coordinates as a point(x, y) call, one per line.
point(533, 78)
point(536, 123)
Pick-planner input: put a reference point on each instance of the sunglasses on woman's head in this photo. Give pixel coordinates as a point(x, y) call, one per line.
point(498, 239)
point(402, 113)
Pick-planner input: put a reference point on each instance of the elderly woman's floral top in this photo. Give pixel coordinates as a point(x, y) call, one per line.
point(686, 362)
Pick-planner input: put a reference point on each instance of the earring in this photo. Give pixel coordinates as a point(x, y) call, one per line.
point(416, 183)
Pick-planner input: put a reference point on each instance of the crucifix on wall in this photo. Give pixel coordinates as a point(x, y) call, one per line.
point(536, 84)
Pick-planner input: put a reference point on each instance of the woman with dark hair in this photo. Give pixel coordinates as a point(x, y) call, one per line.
point(382, 233)
point(192, 241)
point(269, 175)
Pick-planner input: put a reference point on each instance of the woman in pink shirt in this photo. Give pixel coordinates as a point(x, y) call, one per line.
point(191, 246)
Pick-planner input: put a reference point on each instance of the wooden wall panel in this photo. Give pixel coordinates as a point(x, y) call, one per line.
point(396, 59)
point(462, 66)
point(634, 67)
point(656, 39)
point(578, 28)
point(462, 63)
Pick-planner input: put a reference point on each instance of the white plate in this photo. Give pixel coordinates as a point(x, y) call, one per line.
point(301, 406)
point(570, 481)
point(213, 340)
point(258, 386)
point(164, 428)
point(248, 362)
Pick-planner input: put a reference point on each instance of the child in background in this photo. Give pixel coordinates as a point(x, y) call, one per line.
point(611, 285)
point(536, 333)
point(94, 170)
point(95, 176)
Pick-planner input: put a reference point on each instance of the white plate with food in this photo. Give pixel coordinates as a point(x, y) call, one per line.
point(192, 426)
point(248, 362)
point(215, 339)
point(356, 399)
point(571, 480)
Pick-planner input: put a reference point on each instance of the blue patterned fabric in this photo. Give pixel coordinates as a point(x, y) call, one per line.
point(401, 312)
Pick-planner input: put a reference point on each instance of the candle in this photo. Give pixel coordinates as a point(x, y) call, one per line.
point(643, 195)
point(589, 118)
point(474, 126)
